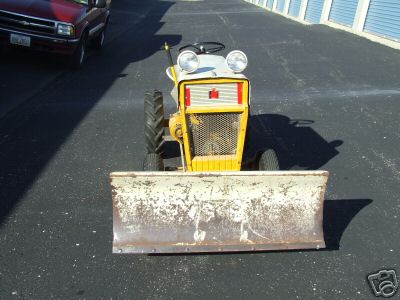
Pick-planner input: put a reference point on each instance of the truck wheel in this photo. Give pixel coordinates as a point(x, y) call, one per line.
point(153, 162)
point(79, 56)
point(154, 122)
point(98, 41)
point(268, 161)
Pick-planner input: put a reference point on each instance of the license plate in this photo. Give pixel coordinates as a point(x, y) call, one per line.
point(21, 40)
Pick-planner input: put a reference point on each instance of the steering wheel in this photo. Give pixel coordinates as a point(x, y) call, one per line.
point(204, 47)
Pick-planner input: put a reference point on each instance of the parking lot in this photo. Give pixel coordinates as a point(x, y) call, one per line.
point(327, 99)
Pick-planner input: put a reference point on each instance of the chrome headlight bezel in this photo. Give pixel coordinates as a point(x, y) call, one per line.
point(236, 61)
point(65, 29)
point(188, 61)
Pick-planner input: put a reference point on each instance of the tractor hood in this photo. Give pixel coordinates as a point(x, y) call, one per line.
point(211, 66)
point(57, 10)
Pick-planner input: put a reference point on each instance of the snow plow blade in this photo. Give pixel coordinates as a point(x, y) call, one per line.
point(173, 212)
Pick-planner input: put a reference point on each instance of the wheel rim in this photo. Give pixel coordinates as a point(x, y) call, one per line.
point(102, 38)
point(82, 53)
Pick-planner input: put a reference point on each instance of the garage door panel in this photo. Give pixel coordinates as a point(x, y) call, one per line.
point(314, 11)
point(280, 5)
point(383, 19)
point(294, 8)
point(343, 12)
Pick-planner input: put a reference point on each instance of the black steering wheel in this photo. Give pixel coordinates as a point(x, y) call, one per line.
point(204, 47)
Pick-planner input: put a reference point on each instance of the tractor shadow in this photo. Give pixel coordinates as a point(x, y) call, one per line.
point(297, 145)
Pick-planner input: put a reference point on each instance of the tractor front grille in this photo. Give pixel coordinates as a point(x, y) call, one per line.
point(227, 94)
point(213, 134)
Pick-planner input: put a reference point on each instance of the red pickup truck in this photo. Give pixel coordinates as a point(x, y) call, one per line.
point(59, 26)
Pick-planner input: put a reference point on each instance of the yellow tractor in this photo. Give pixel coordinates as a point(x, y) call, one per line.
point(209, 204)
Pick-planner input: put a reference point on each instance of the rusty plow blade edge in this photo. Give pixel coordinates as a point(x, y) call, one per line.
point(172, 212)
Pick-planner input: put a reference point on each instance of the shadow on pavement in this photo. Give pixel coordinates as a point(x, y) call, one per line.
point(297, 145)
point(32, 135)
point(337, 216)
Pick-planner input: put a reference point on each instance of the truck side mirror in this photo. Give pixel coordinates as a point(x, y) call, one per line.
point(100, 3)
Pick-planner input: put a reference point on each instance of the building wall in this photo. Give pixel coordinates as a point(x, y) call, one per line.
point(377, 20)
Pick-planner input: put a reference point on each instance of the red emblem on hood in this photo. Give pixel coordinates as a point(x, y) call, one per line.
point(213, 94)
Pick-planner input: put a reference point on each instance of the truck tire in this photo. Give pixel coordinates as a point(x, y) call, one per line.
point(154, 122)
point(78, 58)
point(98, 41)
point(268, 161)
point(153, 162)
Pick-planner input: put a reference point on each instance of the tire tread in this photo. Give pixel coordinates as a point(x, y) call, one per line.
point(269, 161)
point(154, 122)
point(153, 162)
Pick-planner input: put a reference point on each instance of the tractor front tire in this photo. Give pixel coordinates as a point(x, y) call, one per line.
point(154, 122)
point(268, 161)
point(153, 162)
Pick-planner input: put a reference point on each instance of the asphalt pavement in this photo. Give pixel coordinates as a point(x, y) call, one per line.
point(325, 98)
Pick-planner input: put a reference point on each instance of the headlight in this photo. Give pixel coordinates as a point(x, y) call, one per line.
point(188, 61)
point(64, 29)
point(236, 61)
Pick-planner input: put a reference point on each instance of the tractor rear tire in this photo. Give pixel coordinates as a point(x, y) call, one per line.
point(153, 162)
point(154, 122)
point(268, 161)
